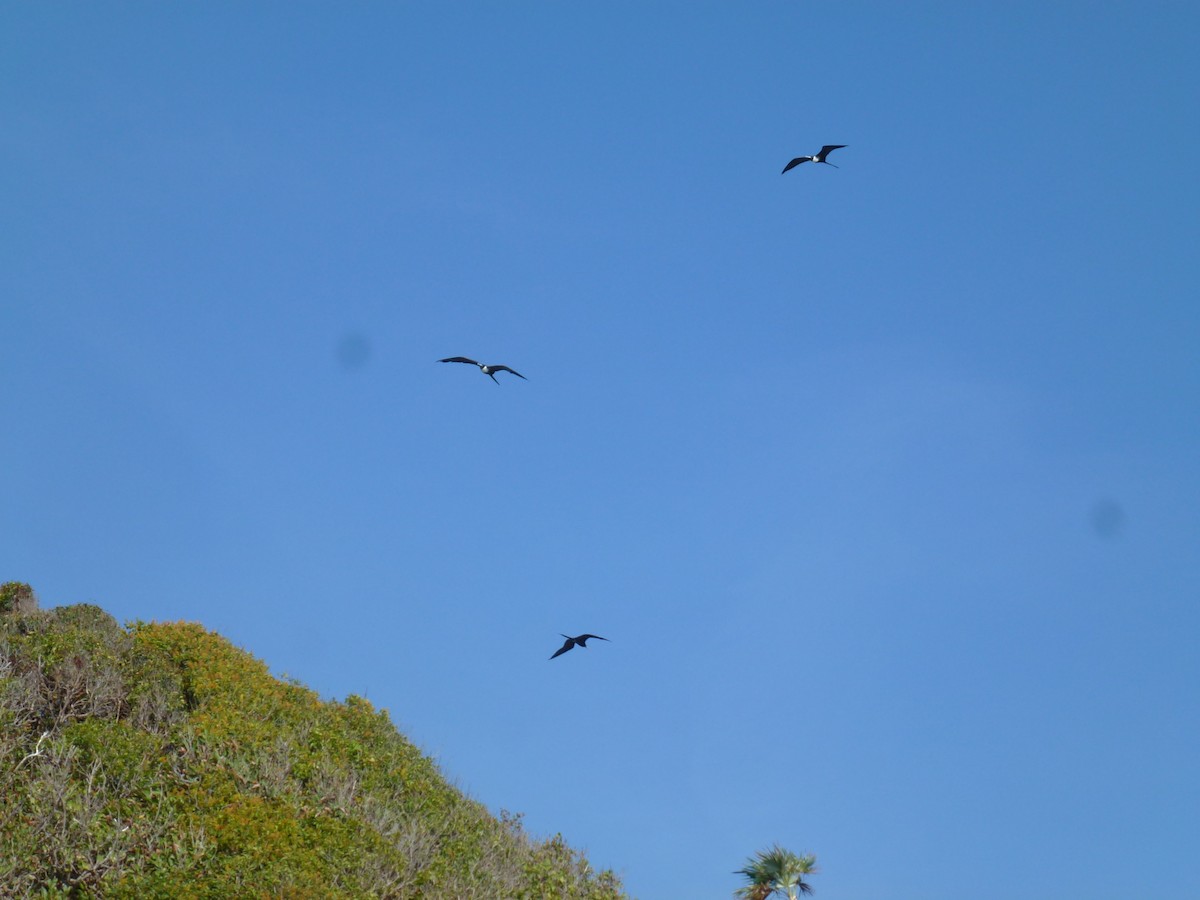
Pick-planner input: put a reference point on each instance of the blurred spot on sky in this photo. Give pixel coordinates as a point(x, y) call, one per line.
point(1108, 518)
point(353, 351)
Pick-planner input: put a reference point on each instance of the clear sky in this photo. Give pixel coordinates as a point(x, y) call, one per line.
point(882, 480)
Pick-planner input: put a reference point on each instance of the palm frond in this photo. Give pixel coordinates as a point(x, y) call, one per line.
point(777, 871)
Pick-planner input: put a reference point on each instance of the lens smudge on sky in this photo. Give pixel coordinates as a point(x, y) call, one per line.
point(1108, 518)
point(353, 351)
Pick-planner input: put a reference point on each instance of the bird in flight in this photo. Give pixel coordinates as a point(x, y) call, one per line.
point(820, 157)
point(572, 641)
point(489, 371)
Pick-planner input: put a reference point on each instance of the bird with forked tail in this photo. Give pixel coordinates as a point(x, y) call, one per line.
point(487, 370)
point(816, 157)
point(572, 641)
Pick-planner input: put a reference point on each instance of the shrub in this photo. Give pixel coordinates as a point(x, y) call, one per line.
point(161, 761)
point(16, 597)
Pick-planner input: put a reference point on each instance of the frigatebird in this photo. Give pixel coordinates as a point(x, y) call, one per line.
point(486, 370)
point(819, 157)
point(572, 641)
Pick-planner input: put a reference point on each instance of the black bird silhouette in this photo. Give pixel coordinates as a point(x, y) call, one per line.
point(572, 641)
point(486, 370)
point(820, 157)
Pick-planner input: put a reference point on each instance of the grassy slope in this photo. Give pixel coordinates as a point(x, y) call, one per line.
point(161, 761)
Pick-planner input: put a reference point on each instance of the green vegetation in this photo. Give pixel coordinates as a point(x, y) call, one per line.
point(777, 871)
point(161, 761)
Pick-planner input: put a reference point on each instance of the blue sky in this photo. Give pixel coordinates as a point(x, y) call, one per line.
point(882, 480)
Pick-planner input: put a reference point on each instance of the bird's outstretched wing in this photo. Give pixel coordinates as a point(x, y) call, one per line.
point(825, 151)
point(588, 637)
point(507, 369)
point(461, 359)
point(564, 648)
point(795, 162)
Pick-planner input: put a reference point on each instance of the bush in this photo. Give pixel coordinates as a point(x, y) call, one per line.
point(161, 761)
point(16, 597)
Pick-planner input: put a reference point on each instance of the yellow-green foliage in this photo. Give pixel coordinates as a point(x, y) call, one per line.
point(161, 761)
point(16, 597)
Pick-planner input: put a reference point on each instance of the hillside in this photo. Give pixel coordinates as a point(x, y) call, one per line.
point(161, 761)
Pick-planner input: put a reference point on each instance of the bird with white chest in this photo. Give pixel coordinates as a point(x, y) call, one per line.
point(818, 157)
point(488, 370)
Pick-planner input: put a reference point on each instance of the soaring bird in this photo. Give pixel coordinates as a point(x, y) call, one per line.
point(572, 641)
point(486, 370)
point(820, 157)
